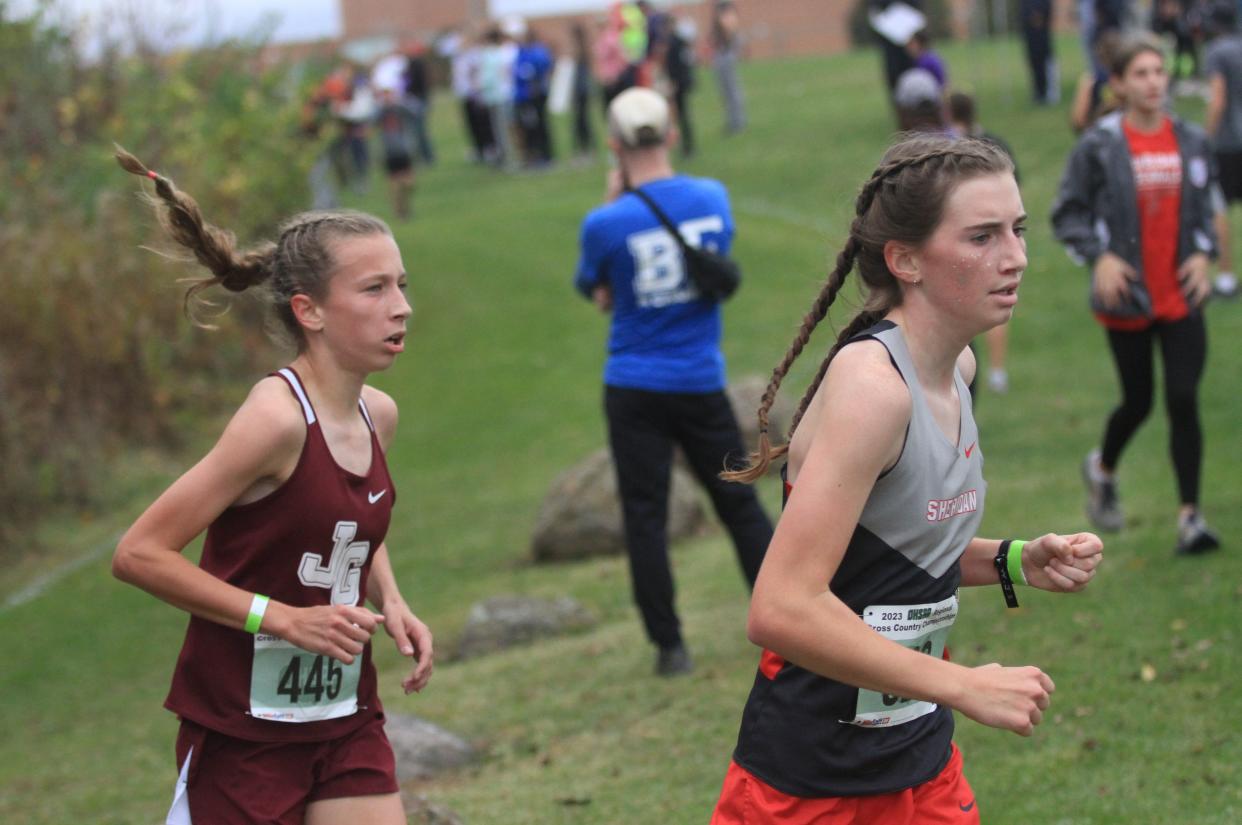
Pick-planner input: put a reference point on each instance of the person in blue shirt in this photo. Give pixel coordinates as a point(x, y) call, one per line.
point(532, 77)
point(664, 378)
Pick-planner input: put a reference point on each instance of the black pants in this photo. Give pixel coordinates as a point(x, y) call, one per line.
point(479, 126)
point(896, 61)
point(584, 138)
point(1183, 346)
point(642, 429)
point(532, 118)
point(681, 99)
point(1038, 59)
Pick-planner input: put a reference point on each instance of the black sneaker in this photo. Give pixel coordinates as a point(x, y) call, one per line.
point(1103, 508)
point(673, 661)
point(1194, 536)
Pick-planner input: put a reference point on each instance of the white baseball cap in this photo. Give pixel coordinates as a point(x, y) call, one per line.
point(917, 87)
point(639, 117)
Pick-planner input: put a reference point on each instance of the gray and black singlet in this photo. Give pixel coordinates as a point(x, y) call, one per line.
point(811, 736)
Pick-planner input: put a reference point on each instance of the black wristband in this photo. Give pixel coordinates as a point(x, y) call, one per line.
point(1001, 562)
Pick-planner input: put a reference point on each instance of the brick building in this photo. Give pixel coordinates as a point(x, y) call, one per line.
point(773, 28)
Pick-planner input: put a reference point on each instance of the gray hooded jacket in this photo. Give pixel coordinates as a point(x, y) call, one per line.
point(1096, 208)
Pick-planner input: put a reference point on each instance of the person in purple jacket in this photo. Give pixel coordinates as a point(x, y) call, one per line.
point(925, 57)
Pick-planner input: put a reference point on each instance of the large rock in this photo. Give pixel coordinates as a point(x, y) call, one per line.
point(506, 621)
point(745, 395)
point(581, 514)
point(424, 750)
point(419, 810)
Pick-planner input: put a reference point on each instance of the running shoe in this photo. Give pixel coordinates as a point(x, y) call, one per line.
point(1194, 536)
point(1103, 508)
point(673, 661)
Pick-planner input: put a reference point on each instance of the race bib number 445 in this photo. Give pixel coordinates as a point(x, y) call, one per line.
point(921, 627)
point(289, 684)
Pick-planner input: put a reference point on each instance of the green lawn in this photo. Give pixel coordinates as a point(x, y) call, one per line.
point(500, 391)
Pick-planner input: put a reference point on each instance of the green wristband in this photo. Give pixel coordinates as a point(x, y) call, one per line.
point(1015, 562)
point(258, 606)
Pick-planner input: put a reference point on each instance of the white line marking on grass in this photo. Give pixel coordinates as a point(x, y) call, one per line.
point(764, 208)
point(40, 585)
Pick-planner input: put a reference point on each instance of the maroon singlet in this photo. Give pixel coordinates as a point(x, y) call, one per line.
point(308, 543)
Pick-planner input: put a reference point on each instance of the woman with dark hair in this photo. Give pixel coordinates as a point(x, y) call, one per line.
point(850, 717)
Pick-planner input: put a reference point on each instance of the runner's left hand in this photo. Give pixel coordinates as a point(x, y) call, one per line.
point(413, 639)
point(1062, 564)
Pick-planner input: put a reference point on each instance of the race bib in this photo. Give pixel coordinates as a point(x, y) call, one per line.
point(921, 627)
point(289, 684)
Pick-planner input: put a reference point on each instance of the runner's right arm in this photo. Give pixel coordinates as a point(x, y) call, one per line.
point(258, 450)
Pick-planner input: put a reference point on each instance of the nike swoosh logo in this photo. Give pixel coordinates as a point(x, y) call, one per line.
point(966, 808)
point(970, 448)
point(374, 497)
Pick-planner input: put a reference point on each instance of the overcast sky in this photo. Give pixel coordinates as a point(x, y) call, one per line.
point(292, 19)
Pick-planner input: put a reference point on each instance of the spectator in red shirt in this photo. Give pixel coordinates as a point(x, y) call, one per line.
point(1137, 203)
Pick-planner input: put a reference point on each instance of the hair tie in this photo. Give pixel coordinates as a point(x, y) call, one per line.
point(151, 174)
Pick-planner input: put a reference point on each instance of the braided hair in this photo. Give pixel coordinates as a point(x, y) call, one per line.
point(903, 200)
point(299, 262)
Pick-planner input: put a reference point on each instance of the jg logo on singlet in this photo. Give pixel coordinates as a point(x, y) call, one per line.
point(343, 572)
point(659, 272)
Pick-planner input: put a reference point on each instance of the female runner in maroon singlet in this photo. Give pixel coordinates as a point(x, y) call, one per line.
point(280, 718)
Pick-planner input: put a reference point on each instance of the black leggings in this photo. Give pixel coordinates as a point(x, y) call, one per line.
point(1183, 345)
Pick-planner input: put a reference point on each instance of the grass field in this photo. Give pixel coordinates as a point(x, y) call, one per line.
point(499, 391)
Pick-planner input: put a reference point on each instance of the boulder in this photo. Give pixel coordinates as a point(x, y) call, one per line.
point(424, 750)
point(419, 810)
point(745, 394)
point(507, 621)
point(581, 515)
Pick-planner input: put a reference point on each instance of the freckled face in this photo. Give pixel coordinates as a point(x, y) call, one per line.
point(974, 260)
point(365, 310)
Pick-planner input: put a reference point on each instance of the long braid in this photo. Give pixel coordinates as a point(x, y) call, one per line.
point(819, 310)
point(863, 320)
point(855, 246)
point(300, 262)
point(213, 247)
point(766, 453)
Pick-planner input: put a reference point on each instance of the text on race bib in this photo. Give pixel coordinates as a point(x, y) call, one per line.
point(289, 684)
point(921, 627)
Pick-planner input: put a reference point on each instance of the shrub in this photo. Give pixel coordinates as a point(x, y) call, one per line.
point(94, 353)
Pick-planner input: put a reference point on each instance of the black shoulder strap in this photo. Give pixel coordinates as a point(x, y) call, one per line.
point(659, 213)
